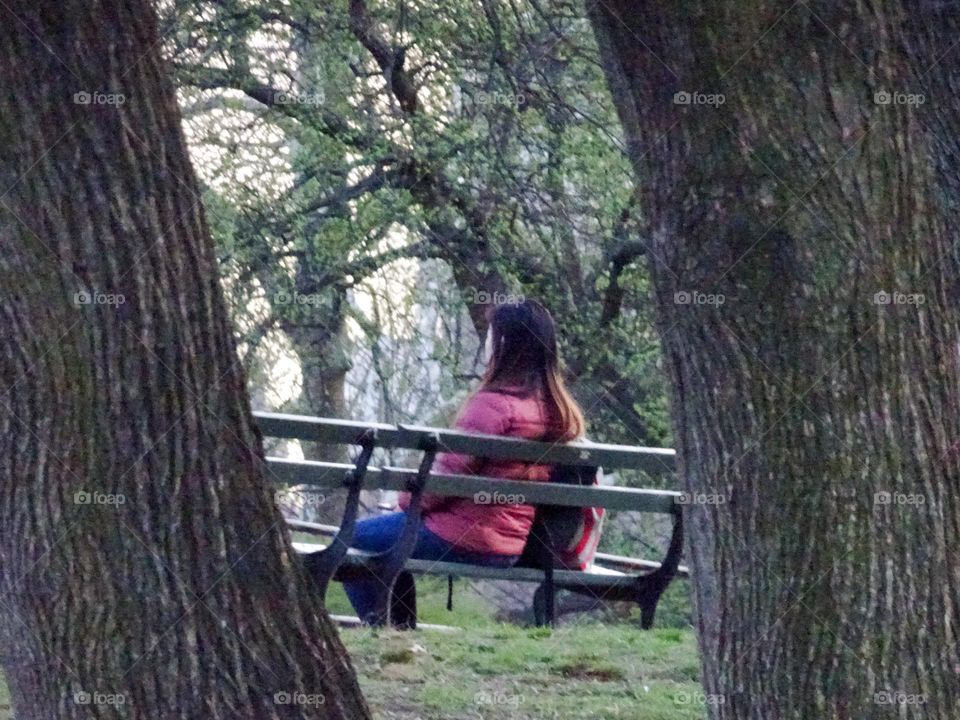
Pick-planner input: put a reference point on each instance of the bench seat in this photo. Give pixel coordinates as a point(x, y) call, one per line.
point(597, 576)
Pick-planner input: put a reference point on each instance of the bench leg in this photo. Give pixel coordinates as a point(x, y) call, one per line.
point(396, 597)
point(660, 579)
point(539, 607)
point(550, 596)
point(396, 606)
point(403, 602)
point(322, 565)
point(647, 610)
point(545, 603)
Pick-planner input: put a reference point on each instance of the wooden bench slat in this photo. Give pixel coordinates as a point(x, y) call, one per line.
point(522, 574)
point(313, 472)
point(654, 461)
point(327, 475)
point(607, 559)
point(324, 430)
point(518, 574)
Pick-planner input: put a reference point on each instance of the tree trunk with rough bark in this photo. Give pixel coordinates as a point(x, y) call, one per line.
point(145, 569)
point(796, 174)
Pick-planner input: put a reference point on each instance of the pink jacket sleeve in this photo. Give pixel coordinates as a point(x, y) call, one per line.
point(488, 413)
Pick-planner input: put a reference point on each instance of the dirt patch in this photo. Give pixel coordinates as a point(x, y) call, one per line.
point(585, 670)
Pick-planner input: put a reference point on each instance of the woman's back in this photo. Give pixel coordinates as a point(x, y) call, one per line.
point(493, 523)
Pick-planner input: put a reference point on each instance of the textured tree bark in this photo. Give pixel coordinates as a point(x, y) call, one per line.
point(801, 209)
point(145, 570)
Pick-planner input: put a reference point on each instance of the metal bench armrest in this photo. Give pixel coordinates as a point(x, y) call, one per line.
point(323, 565)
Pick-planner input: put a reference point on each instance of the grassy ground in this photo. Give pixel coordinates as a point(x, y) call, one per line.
point(509, 673)
point(492, 671)
point(6, 711)
point(585, 670)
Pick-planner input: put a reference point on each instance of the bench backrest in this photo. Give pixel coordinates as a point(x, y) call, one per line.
point(653, 461)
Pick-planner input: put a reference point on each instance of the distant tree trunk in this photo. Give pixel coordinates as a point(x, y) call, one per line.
point(145, 570)
point(318, 330)
point(798, 180)
point(320, 341)
point(322, 346)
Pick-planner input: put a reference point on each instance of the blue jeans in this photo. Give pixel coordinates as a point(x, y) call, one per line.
point(379, 533)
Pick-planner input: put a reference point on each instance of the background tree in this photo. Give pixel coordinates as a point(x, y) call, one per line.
point(146, 570)
point(466, 137)
point(821, 398)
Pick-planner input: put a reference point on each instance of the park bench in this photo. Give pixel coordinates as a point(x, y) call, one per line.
point(612, 578)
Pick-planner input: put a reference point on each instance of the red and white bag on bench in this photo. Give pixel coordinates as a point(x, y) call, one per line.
point(570, 534)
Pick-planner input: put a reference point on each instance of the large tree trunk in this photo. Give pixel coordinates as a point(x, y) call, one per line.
point(144, 567)
point(826, 585)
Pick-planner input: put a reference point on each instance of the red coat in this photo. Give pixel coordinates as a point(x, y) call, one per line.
point(489, 524)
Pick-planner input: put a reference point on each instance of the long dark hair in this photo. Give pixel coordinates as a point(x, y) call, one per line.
point(524, 354)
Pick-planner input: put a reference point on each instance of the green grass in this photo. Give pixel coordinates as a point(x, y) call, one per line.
point(600, 672)
point(585, 670)
point(6, 710)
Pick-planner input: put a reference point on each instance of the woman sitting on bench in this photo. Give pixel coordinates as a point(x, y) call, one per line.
point(522, 395)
